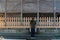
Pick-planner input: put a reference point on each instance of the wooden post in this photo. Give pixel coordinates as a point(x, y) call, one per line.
point(38, 12)
point(19, 21)
point(28, 21)
point(5, 11)
point(0, 21)
point(21, 13)
point(47, 21)
point(9, 20)
point(41, 21)
point(24, 21)
point(12, 21)
point(59, 22)
point(16, 21)
point(51, 21)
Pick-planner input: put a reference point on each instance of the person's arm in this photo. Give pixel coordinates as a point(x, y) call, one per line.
point(35, 22)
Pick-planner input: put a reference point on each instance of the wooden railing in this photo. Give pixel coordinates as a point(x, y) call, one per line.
point(15, 22)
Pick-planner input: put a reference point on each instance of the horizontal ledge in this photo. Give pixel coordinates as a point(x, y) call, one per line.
point(29, 26)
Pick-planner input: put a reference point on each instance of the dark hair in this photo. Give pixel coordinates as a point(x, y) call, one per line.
point(32, 17)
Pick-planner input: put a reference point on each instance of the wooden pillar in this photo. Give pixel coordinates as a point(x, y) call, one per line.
point(21, 13)
point(5, 11)
point(37, 12)
point(59, 22)
point(54, 11)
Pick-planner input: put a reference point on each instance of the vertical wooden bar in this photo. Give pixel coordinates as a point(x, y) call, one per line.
point(47, 21)
point(12, 21)
point(3, 20)
point(50, 21)
point(28, 21)
point(57, 21)
point(24, 21)
point(38, 12)
point(0, 21)
point(9, 21)
point(39, 21)
point(5, 11)
point(43, 21)
point(21, 12)
point(16, 21)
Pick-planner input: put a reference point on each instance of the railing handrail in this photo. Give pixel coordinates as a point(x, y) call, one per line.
point(43, 21)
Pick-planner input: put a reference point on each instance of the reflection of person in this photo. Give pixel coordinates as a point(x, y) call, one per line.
point(32, 24)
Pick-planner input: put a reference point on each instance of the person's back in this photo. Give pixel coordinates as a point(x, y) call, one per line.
point(32, 24)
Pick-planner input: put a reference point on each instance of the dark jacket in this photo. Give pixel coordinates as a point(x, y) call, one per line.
point(32, 23)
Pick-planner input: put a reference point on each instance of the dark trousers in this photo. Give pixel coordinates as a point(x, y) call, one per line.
point(32, 32)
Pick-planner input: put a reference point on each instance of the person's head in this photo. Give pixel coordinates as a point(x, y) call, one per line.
point(33, 18)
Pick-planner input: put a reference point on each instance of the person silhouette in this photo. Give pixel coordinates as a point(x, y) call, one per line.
point(32, 24)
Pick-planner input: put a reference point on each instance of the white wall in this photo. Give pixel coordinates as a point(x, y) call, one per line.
point(29, 5)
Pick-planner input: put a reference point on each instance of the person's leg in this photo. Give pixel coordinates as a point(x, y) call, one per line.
point(32, 32)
